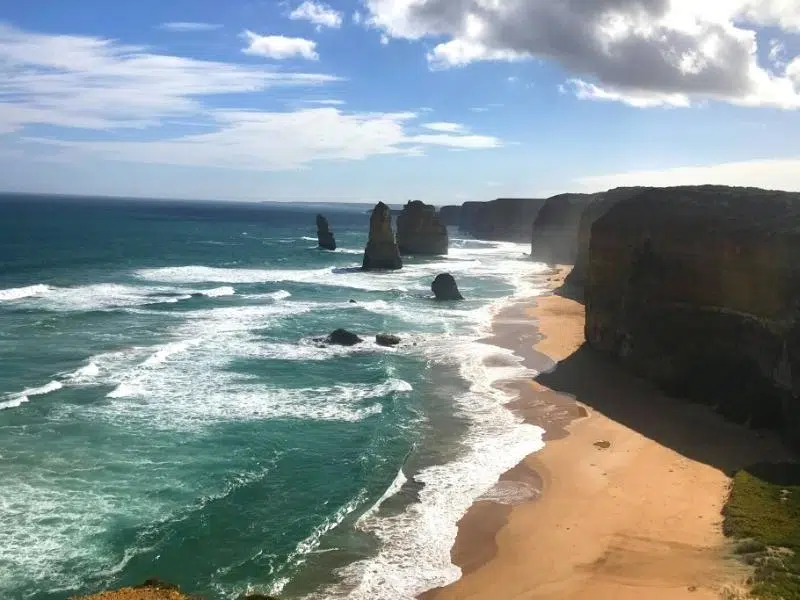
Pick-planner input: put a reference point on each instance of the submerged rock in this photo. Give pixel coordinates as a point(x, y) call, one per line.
point(324, 234)
point(342, 337)
point(444, 287)
point(381, 252)
point(387, 339)
point(419, 230)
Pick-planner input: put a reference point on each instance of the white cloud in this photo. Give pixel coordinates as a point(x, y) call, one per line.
point(445, 127)
point(317, 13)
point(282, 140)
point(189, 26)
point(94, 83)
point(643, 52)
point(781, 174)
point(279, 47)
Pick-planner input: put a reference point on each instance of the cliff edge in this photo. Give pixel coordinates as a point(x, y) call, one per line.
point(698, 289)
point(555, 230)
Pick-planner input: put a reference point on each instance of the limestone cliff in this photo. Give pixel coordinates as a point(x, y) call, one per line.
point(555, 230)
point(324, 234)
point(419, 230)
point(698, 289)
point(450, 216)
point(381, 251)
point(504, 219)
point(600, 204)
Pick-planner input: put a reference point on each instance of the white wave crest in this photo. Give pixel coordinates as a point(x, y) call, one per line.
point(24, 292)
point(219, 292)
point(15, 400)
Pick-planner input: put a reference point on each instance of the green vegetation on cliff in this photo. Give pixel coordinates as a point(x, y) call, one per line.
point(763, 512)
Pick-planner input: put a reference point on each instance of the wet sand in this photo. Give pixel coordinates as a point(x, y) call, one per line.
point(624, 501)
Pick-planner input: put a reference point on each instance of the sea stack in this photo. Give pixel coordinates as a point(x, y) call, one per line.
point(324, 234)
point(698, 290)
point(419, 230)
point(381, 252)
point(444, 287)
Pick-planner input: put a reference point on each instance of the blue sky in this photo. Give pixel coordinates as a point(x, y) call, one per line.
point(360, 100)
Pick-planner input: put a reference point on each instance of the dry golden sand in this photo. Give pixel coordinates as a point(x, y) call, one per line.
point(631, 485)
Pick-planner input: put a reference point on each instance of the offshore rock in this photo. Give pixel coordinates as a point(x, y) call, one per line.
point(387, 339)
point(324, 234)
point(698, 290)
point(342, 337)
point(444, 287)
point(555, 230)
point(381, 252)
point(419, 230)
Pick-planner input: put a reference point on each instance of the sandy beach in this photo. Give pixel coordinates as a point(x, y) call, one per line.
point(623, 502)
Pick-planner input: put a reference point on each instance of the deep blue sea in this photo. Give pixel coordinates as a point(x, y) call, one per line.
point(164, 410)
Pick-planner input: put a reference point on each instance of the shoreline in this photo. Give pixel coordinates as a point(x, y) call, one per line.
point(623, 501)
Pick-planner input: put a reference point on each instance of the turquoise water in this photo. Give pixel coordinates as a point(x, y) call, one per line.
point(165, 412)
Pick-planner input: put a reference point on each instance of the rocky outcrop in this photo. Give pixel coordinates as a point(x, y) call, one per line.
point(342, 337)
point(555, 230)
point(324, 234)
point(698, 289)
point(381, 252)
point(387, 339)
point(504, 219)
point(444, 287)
point(419, 230)
point(600, 204)
point(450, 216)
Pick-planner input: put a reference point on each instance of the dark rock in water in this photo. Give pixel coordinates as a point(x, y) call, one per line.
point(258, 597)
point(419, 230)
point(324, 234)
point(381, 252)
point(444, 287)
point(353, 301)
point(158, 584)
point(698, 290)
point(387, 339)
point(342, 337)
point(450, 215)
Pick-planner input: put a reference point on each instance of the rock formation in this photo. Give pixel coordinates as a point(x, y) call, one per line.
point(342, 337)
point(555, 230)
point(324, 234)
point(698, 289)
point(600, 205)
point(381, 251)
point(450, 216)
point(444, 287)
point(419, 230)
point(504, 219)
point(387, 339)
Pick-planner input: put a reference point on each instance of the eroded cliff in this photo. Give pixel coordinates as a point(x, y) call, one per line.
point(698, 289)
point(450, 216)
point(419, 230)
point(504, 219)
point(555, 229)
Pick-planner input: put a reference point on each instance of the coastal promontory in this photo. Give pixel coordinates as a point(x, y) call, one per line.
point(504, 219)
point(381, 252)
point(555, 230)
point(698, 289)
point(419, 230)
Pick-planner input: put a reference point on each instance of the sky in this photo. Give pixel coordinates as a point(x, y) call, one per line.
point(365, 100)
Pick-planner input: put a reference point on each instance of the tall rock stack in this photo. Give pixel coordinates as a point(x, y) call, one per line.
point(419, 230)
point(698, 289)
point(381, 252)
point(324, 234)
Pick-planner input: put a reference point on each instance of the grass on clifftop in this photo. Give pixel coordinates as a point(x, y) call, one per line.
point(763, 513)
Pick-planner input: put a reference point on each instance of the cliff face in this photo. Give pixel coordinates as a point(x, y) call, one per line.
point(324, 235)
point(381, 251)
point(419, 230)
point(599, 205)
point(450, 216)
point(504, 219)
point(555, 230)
point(698, 289)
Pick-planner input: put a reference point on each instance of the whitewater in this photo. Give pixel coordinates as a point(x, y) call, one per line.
point(166, 409)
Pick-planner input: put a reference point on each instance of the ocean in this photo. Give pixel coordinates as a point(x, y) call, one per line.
point(165, 411)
